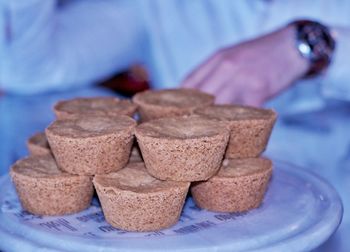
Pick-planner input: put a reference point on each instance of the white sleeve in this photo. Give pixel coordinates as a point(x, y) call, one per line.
point(336, 81)
point(48, 46)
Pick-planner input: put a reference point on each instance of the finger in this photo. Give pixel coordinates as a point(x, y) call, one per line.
point(228, 95)
point(225, 97)
point(200, 73)
point(214, 83)
point(220, 78)
point(252, 99)
point(233, 92)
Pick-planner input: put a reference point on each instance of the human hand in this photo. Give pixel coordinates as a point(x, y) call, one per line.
point(251, 72)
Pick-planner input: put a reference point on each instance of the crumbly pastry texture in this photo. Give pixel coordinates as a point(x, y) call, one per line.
point(94, 106)
point(239, 186)
point(38, 144)
point(250, 128)
point(171, 102)
point(133, 200)
point(182, 148)
point(44, 189)
point(91, 145)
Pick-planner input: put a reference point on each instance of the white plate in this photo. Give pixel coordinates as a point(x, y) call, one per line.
point(300, 211)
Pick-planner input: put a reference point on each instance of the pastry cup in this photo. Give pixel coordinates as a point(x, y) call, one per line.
point(91, 145)
point(38, 145)
point(239, 186)
point(43, 189)
point(94, 106)
point(182, 148)
point(250, 128)
point(133, 200)
point(154, 104)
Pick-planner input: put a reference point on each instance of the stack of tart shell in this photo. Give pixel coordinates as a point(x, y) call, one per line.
point(143, 169)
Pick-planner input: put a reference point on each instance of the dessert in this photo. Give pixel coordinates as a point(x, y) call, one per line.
point(155, 104)
point(91, 145)
point(183, 139)
point(250, 128)
point(95, 106)
point(239, 186)
point(182, 148)
point(43, 189)
point(38, 145)
point(133, 200)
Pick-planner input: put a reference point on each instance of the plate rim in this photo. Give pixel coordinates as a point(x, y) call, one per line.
point(286, 244)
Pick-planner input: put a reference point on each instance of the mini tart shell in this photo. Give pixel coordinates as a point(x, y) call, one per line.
point(153, 110)
point(250, 129)
point(98, 153)
point(70, 109)
point(58, 194)
point(223, 193)
point(182, 159)
point(141, 210)
point(38, 145)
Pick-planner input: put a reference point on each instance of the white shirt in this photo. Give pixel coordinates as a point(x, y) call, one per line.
point(45, 45)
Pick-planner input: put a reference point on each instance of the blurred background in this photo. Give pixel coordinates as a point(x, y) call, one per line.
point(259, 52)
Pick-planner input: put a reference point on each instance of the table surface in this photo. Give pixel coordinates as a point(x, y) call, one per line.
point(22, 116)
